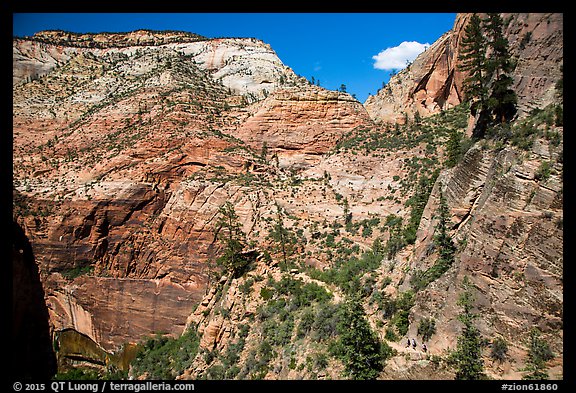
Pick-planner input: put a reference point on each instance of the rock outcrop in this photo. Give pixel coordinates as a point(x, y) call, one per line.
point(125, 150)
point(247, 66)
point(434, 82)
point(127, 145)
point(302, 120)
point(508, 225)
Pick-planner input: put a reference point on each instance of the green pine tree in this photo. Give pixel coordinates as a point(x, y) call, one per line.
point(284, 238)
point(539, 353)
point(502, 99)
point(442, 239)
point(473, 61)
point(468, 355)
point(485, 57)
point(230, 233)
point(446, 250)
point(358, 346)
point(453, 148)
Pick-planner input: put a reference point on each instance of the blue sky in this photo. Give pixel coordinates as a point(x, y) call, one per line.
point(336, 48)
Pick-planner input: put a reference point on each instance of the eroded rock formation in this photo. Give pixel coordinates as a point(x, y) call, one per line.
point(434, 82)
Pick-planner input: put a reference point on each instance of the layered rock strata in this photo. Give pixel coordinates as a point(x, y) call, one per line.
point(434, 81)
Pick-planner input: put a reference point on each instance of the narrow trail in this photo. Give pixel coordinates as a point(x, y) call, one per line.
point(415, 354)
point(400, 346)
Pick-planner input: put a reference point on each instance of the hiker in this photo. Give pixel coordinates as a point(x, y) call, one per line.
point(408, 343)
point(424, 348)
point(413, 343)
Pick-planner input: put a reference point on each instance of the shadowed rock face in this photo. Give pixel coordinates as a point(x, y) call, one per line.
point(32, 354)
point(433, 81)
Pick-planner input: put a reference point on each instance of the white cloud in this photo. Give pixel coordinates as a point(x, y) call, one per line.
point(395, 58)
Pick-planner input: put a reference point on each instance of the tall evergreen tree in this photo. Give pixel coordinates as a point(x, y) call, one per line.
point(231, 234)
point(468, 355)
point(453, 147)
point(473, 61)
point(284, 238)
point(446, 250)
point(539, 353)
point(442, 239)
point(484, 55)
point(359, 347)
point(502, 100)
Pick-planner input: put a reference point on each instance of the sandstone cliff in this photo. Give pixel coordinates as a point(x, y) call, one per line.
point(433, 81)
point(127, 145)
point(245, 65)
point(508, 224)
point(125, 150)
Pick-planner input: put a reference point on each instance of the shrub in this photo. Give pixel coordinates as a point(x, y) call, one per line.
point(305, 325)
point(390, 335)
point(266, 293)
point(77, 374)
point(166, 358)
point(426, 328)
point(326, 322)
point(499, 349)
point(543, 172)
point(403, 304)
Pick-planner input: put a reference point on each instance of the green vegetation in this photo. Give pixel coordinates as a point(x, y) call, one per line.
point(166, 358)
point(225, 365)
point(468, 355)
point(417, 203)
point(230, 233)
point(499, 349)
point(293, 310)
point(544, 171)
point(77, 271)
point(426, 328)
point(446, 250)
point(396, 240)
point(484, 55)
point(523, 132)
point(78, 374)
point(358, 346)
point(346, 273)
point(453, 149)
point(430, 131)
point(285, 240)
point(539, 353)
point(400, 308)
point(472, 60)
point(84, 373)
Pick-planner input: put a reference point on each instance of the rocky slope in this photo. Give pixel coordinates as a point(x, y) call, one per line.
point(128, 145)
point(123, 155)
point(433, 81)
point(508, 224)
point(246, 66)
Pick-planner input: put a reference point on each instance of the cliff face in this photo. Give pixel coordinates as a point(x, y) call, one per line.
point(508, 225)
point(433, 81)
point(125, 150)
point(129, 144)
point(303, 120)
point(246, 66)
